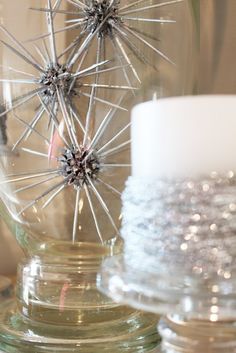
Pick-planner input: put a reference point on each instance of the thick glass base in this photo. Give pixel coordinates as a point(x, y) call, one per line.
point(163, 292)
point(6, 288)
point(128, 331)
point(136, 288)
point(59, 308)
point(197, 336)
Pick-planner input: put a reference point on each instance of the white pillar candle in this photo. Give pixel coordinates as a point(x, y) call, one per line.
point(184, 136)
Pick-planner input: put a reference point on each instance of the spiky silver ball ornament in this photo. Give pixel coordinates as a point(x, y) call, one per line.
point(56, 77)
point(79, 164)
point(101, 13)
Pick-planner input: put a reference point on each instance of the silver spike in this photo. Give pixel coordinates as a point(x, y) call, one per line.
point(93, 93)
point(115, 149)
point(55, 121)
point(109, 86)
point(148, 45)
point(104, 101)
point(77, 3)
point(90, 68)
point(63, 29)
point(20, 81)
point(16, 70)
point(36, 153)
point(76, 215)
point(148, 20)
point(126, 57)
point(45, 193)
point(110, 187)
point(76, 117)
point(88, 116)
point(22, 100)
point(31, 128)
point(31, 186)
point(52, 197)
point(93, 213)
point(151, 7)
point(66, 117)
point(114, 138)
point(103, 204)
point(126, 76)
point(86, 42)
point(26, 176)
point(52, 33)
point(106, 70)
point(110, 165)
point(43, 9)
point(22, 56)
point(21, 47)
point(131, 5)
point(78, 69)
point(44, 60)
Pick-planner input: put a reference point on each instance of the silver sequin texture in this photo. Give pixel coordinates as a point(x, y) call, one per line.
point(185, 224)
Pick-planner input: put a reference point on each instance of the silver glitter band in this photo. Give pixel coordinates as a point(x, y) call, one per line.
point(184, 224)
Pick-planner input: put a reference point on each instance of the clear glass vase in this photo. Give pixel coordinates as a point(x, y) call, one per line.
point(64, 160)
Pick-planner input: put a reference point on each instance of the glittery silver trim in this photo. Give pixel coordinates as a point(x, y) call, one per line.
point(184, 224)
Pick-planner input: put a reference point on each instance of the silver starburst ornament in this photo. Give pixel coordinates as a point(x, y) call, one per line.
point(122, 23)
point(70, 152)
point(79, 166)
point(55, 84)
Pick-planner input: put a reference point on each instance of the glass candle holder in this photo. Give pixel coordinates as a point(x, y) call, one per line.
point(180, 221)
point(182, 335)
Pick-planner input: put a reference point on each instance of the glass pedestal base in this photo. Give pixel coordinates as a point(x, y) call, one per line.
point(129, 331)
point(6, 288)
point(162, 292)
point(137, 289)
point(59, 309)
point(196, 336)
